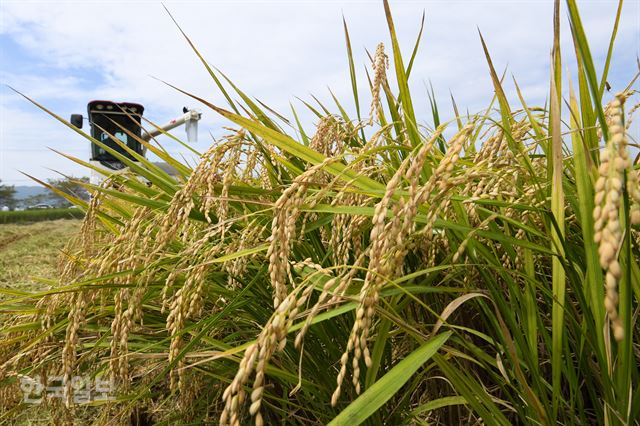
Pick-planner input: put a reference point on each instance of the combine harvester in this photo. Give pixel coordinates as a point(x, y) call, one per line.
point(123, 120)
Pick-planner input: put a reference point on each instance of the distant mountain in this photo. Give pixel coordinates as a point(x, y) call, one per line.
point(29, 195)
point(24, 191)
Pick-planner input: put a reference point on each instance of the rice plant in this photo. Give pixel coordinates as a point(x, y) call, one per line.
point(483, 270)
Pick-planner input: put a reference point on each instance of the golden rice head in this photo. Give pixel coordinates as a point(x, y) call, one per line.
point(463, 245)
point(366, 164)
point(115, 360)
point(201, 181)
point(188, 300)
point(125, 255)
point(256, 358)
point(187, 259)
point(345, 238)
point(175, 323)
point(10, 395)
point(329, 137)
point(634, 191)
point(273, 339)
point(380, 66)
point(633, 174)
point(614, 161)
point(252, 164)
point(441, 181)
point(336, 287)
point(611, 108)
point(89, 224)
point(388, 243)
point(251, 236)
point(326, 184)
point(228, 177)
point(270, 154)
point(76, 319)
point(630, 115)
point(283, 229)
point(223, 165)
point(367, 297)
point(191, 388)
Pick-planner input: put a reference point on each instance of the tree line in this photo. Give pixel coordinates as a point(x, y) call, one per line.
point(70, 185)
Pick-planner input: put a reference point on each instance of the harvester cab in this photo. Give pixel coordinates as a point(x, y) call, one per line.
point(109, 121)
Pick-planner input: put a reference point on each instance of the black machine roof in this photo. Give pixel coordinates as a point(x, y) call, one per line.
point(116, 107)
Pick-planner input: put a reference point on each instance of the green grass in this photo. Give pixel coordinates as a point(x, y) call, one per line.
point(39, 215)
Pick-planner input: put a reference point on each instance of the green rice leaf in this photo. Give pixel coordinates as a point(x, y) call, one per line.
point(382, 390)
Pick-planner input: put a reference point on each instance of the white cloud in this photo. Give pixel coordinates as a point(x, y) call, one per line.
point(25, 139)
point(275, 50)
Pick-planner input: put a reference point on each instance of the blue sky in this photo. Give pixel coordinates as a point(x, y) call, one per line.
point(64, 54)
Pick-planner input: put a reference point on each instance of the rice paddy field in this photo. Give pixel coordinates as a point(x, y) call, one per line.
point(374, 269)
